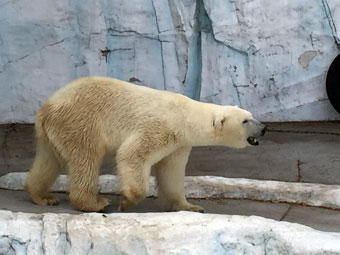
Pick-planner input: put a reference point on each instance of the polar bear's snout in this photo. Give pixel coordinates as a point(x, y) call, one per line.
point(257, 129)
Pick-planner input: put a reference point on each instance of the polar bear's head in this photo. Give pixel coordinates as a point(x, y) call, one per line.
point(235, 127)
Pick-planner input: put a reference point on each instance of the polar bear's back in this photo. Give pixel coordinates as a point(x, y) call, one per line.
point(111, 106)
point(113, 95)
point(103, 87)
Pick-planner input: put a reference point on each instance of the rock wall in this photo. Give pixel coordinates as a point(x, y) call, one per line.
point(269, 58)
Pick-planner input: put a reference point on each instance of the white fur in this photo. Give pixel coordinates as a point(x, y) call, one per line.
point(94, 117)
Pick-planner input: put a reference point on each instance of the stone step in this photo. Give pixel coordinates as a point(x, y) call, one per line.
point(312, 194)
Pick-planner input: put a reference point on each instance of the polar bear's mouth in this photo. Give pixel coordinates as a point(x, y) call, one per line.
point(253, 140)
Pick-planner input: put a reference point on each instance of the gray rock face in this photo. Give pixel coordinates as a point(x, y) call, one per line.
point(158, 233)
point(269, 58)
point(275, 57)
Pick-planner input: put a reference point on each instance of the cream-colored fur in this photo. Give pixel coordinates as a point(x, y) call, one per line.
point(97, 116)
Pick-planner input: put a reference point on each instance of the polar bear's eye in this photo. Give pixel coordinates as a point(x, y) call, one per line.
point(245, 121)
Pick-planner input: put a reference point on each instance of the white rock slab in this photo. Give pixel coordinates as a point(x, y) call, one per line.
point(321, 195)
point(158, 233)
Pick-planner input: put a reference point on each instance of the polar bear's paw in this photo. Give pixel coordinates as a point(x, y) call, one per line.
point(102, 203)
point(46, 200)
point(125, 203)
point(90, 203)
point(187, 207)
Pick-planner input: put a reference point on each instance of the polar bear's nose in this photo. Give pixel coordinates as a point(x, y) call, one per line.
point(263, 130)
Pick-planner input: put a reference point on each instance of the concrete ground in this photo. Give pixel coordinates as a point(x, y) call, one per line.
point(295, 152)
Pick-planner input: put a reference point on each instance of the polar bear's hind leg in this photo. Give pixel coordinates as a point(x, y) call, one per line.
point(44, 172)
point(83, 184)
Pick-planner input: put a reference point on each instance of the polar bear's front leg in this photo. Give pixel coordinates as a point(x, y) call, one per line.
point(134, 167)
point(170, 173)
point(134, 183)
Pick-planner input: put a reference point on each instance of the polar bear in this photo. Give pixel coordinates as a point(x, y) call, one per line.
point(94, 117)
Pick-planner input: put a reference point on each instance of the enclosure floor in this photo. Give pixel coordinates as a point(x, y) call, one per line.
point(317, 218)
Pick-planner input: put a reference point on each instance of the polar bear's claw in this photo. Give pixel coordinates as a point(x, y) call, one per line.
point(196, 208)
point(187, 207)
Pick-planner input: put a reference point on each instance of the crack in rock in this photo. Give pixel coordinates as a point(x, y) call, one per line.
point(68, 244)
point(4, 147)
point(193, 78)
point(11, 245)
point(106, 52)
point(161, 44)
point(299, 175)
point(42, 237)
point(29, 54)
point(129, 32)
point(331, 22)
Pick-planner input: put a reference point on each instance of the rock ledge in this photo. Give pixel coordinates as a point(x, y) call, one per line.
point(158, 233)
point(311, 194)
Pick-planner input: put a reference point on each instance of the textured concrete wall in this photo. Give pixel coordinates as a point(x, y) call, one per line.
point(270, 58)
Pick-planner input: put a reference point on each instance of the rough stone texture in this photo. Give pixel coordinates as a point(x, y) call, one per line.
point(333, 15)
point(153, 234)
point(17, 147)
point(268, 58)
point(327, 196)
point(275, 57)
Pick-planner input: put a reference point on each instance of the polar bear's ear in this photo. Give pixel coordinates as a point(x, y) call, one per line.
point(218, 122)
